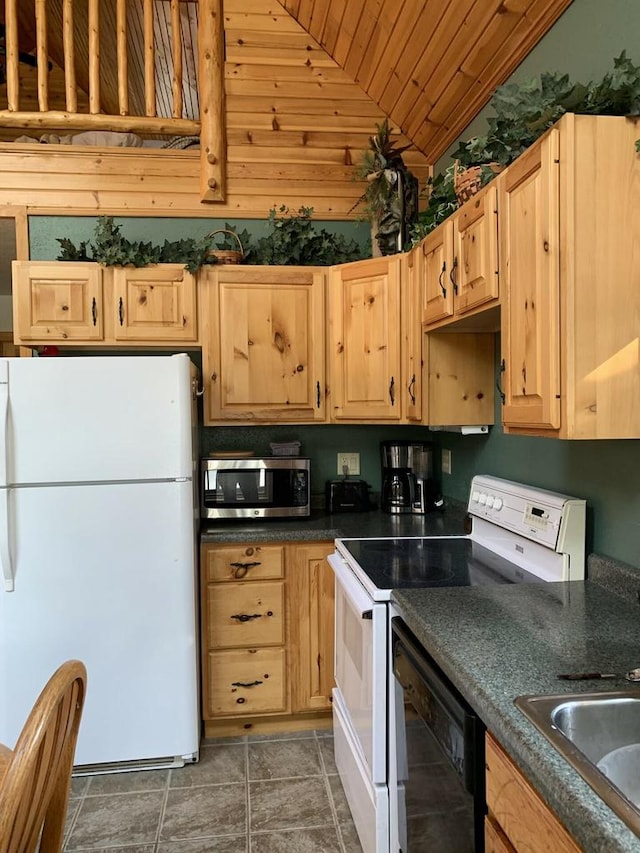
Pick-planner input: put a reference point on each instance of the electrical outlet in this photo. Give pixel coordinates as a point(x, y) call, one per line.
point(352, 462)
point(446, 461)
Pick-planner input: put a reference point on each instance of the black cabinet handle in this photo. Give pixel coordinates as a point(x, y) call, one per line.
point(94, 311)
point(411, 385)
point(121, 311)
point(242, 568)
point(317, 395)
point(440, 277)
point(503, 367)
point(246, 617)
point(245, 684)
point(392, 391)
point(452, 275)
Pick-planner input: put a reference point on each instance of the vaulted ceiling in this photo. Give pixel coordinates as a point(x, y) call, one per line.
point(430, 65)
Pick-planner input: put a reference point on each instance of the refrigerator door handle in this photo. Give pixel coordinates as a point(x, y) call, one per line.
point(5, 552)
point(4, 418)
point(5, 526)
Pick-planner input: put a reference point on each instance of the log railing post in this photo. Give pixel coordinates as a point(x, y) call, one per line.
point(149, 60)
point(176, 44)
point(11, 54)
point(42, 54)
point(94, 56)
point(123, 64)
point(68, 47)
point(211, 95)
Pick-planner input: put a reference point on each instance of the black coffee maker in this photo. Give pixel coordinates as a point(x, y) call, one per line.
point(408, 484)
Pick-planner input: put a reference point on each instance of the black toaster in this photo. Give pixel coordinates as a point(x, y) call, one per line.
point(347, 496)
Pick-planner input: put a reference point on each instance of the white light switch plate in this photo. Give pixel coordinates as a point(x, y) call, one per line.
point(446, 461)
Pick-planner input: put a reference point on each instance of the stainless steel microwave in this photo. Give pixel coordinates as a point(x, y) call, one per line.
point(255, 487)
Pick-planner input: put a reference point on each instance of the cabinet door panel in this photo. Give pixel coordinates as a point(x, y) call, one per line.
point(265, 353)
point(529, 215)
point(365, 325)
point(312, 627)
point(437, 250)
point(57, 301)
point(411, 321)
point(476, 252)
point(155, 303)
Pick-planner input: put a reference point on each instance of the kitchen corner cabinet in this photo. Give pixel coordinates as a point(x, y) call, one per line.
point(366, 381)
point(571, 270)
point(264, 345)
point(518, 820)
point(83, 303)
point(460, 262)
point(267, 637)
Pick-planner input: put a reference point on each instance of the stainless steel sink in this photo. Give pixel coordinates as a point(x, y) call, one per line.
point(599, 734)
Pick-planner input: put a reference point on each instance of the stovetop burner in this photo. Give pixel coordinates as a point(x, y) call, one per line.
point(432, 562)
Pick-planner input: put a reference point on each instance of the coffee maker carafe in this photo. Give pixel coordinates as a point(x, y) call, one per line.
point(407, 477)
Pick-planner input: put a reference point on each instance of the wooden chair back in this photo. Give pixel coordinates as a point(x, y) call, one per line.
point(34, 789)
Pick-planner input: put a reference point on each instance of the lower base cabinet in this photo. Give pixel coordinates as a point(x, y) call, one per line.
point(518, 819)
point(267, 637)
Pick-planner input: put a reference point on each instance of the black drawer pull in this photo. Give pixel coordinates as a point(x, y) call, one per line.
point(243, 684)
point(245, 617)
point(242, 568)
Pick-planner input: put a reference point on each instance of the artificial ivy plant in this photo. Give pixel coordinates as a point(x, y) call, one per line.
point(293, 239)
point(110, 248)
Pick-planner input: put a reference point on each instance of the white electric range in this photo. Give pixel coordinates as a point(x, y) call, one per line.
point(519, 534)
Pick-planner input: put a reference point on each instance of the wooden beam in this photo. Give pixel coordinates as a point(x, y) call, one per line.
point(58, 120)
point(149, 60)
point(11, 47)
point(42, 54)
point(176, 44)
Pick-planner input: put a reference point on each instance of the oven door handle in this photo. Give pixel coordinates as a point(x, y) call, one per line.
point(353, 590)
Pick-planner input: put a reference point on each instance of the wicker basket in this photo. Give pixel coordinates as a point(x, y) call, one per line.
point(227, 256)
point(468, 181)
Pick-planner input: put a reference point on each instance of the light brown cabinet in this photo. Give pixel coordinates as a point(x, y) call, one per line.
point(367, 382)
point(312, 583)
point(518, 820)
point(264, 345)
point(267, 636)
point(571, 277)
point(85, 303)
point(460, 266)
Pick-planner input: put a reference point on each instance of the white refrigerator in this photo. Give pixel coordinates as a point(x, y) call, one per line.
point(98, 519)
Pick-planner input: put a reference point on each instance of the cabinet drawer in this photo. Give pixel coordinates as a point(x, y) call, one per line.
point(243, 562)
point(519, 810)
point(245, 614)
point(247, 681)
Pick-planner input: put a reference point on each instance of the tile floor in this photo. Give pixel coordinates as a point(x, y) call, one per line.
point(268, 794)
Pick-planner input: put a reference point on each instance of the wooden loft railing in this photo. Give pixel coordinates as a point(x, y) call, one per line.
point(209, 60)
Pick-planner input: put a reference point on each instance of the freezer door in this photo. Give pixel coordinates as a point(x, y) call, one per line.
point(105, 574)
point(93, 419)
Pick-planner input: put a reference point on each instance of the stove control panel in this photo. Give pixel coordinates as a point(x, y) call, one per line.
point(543, 516)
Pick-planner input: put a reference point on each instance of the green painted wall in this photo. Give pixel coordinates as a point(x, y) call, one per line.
point(44, 231)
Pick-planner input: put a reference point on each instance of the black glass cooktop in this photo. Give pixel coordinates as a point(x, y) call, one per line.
point(431, 562)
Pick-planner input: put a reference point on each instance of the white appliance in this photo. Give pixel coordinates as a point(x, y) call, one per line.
point(519, 534)
point(98, 515)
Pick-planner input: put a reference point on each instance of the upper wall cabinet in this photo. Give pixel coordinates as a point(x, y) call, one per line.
point(57, 302)
point(84, 303)
point(569, 212)
point(366, 381)
point(460, 270)
point(263, 345)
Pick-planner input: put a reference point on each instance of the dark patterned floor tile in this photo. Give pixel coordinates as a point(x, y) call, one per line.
point(219, 764)
point(200, 812)
point(118, 819)
point(322, 840)
point(283, 759)
point(289, 803)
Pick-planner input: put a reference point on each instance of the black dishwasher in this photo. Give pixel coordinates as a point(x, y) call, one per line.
point(436, 778)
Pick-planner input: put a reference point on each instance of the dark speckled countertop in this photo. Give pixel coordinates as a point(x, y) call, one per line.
point(507, 641)
point(323, 526)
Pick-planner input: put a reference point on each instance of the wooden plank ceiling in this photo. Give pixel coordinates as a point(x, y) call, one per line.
point(430, 65)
